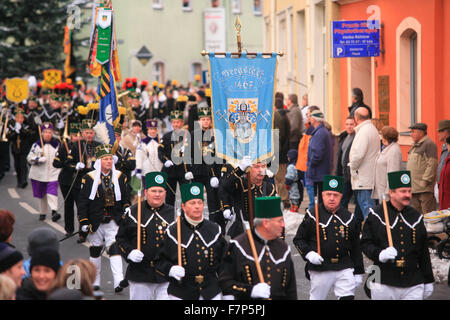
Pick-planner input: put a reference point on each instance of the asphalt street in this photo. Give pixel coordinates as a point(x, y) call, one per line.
point(26, 210)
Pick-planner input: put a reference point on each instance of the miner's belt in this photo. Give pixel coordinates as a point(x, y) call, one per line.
point(200, 279)
point(402, 263)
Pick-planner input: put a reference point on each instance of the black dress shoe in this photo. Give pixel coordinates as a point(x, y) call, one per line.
point(42, 217)
point(81, 239)
point(55, 216)
point(123, 283)
point(96, 288)
point(118, 289)
point(24, 185)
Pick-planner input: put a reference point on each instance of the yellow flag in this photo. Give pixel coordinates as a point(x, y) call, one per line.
point(52, 77)
point(16, 89)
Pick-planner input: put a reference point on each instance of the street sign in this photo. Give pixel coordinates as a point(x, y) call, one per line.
point(352, 39)
point(144, 55)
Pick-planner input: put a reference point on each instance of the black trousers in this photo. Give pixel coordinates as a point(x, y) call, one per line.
point(4, 157)
point(21, 167)
point(318, 187)
point(172, 187)
point(69, 213)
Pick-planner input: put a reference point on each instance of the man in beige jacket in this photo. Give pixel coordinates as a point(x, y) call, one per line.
point(363, 154)
point(422, 162)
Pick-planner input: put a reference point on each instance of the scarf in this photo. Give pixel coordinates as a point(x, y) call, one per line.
point(98, 174)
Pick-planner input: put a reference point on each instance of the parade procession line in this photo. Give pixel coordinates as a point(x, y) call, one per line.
point(13, 193)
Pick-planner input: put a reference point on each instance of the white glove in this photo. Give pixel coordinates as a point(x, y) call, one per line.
point(245, 163)
point(79, 166)
point(115, 158)
point(314, 258)
point(85, 228)
point(227, 214)
point(136, 256)
point(42, 159)
point(17, 127)
point(139, 176)
point(269, 173)
point(214, 182)
point(189, 176)
point(168, 164)
point(358, 280)
point(428, 290)
point(261, 290)
point(177, 272)
point(387, 254)
point(60, 124)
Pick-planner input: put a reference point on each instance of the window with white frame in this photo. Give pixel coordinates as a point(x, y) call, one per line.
point(157, 4)
point(158, 72)
point(236, 6)
point(257, 7)
point(186, 5)
point(196, 70)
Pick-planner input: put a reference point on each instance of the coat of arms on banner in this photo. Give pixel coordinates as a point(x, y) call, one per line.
point(242, 118)
point(52, 77)
point(16, 89)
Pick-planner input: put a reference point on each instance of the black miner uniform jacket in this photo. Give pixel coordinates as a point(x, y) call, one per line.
point(412, 265)
point(165, 149)
point(88, 155)
point(126, 162)
point(154, 222)
point(94, 212)
point(202, 250)
point(238, 272)
point(339, 240)
point(63, 161)
point(235, 187)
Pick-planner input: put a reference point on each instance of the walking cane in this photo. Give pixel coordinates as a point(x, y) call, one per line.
point(79, 147)
point(40, 137)
point(139, 221)
point(316, 207)
point(250, 199)
point(254, 253)
point(179, 236)
point(386, 219)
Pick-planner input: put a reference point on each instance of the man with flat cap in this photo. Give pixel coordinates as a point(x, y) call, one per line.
point(422, 163)
point(146, 283)
point(202, 251)
point(404, 269)
point(238, 274)
point(340, 262)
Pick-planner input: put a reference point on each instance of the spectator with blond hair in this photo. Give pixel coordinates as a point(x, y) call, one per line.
point(388, 159)
point(7, 288)
point(85, 283)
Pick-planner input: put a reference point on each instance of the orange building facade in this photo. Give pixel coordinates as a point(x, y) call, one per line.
point(410, 80)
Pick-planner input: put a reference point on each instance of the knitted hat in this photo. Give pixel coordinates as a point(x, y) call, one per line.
point(268, 207)
point(155, 179)
point(191, 191)
point(42, 237)
point(45, 257)
point(317, 114)
point(8, 256)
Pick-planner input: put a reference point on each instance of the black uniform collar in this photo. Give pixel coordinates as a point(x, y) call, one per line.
point(326, 216)
point(207, 232)
point(277, 250)
point(410, 216)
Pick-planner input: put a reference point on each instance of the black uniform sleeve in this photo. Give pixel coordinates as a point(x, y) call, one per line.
point(164, 149)
point(167, 256)
point(369, 242)
point(126, 162)
point(228, 276)
point(231, 185)
point(125, 235)
point(356, 251)
point(124, 191)
point(83, 207)
point(303, 239)
point(424, 258)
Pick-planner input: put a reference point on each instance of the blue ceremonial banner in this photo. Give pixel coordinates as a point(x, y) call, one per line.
point(242, 106)
point(108, 109)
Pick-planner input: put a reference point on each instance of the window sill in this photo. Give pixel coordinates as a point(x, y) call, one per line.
point(186, 9)
point(157, 7)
